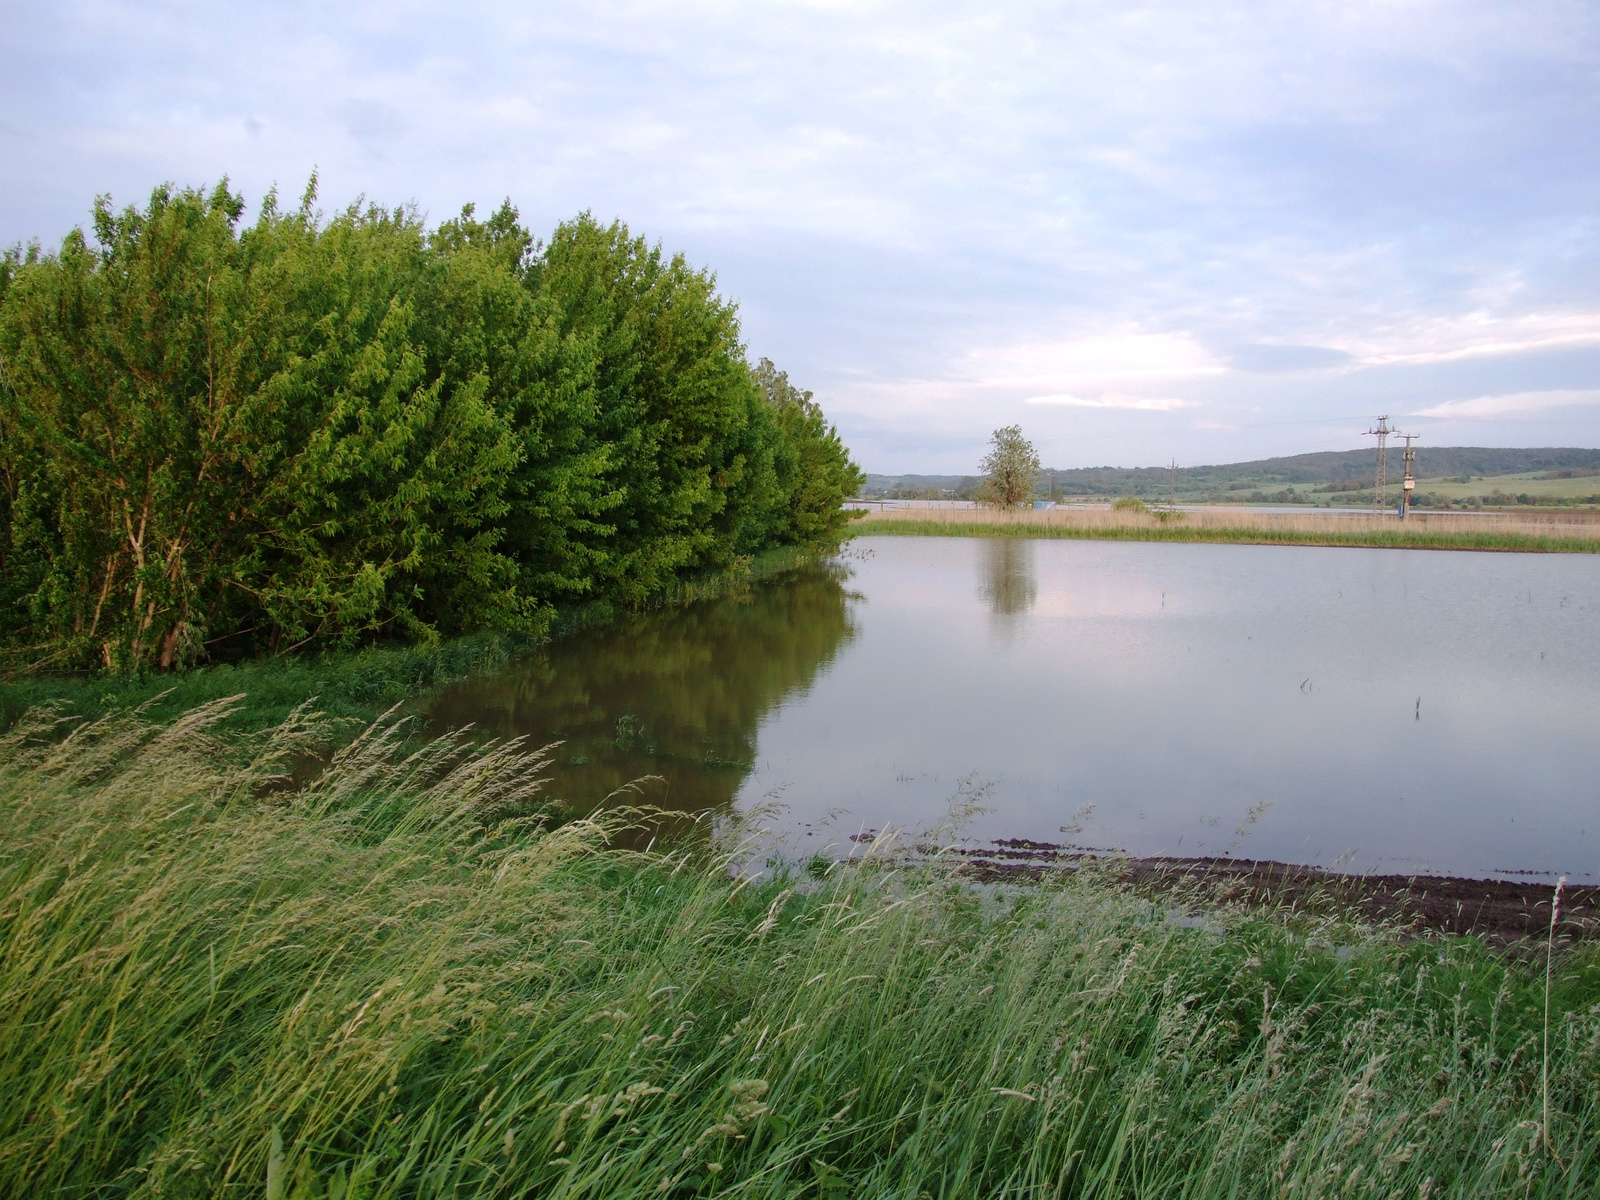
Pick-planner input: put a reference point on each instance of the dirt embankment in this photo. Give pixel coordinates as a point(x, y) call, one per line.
point(1498, 911)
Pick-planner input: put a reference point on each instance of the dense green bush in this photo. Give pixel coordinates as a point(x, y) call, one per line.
point(221, 438)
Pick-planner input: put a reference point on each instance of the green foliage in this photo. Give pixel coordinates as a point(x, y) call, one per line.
point(396, 981)
point(225, 434)
point(352, 687)
point(225, 439)
point(355, 687)
point(1130, 504)
point(815, 474)
point(1011, 469)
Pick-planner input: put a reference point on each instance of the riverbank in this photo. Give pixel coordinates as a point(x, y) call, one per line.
point(1500, 911)
point(1552, 533)
point(353, 686)
point(399, 980)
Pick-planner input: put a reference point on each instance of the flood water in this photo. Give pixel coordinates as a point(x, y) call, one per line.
point(1372, 710)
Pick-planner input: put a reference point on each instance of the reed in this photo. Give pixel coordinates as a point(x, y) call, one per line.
point(1564, 532)
point(402, 980)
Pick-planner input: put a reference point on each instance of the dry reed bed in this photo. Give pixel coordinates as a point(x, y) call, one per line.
point(1572, 531)
point(397, 981)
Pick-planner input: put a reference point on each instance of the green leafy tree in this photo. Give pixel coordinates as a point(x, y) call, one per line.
point(678, 422)
point(223, 435)
point(218, 437)
point(495, 317)
point(1010, 469)
point(814, 470)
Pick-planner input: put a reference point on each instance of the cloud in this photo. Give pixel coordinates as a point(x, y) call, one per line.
point(1265, 357)
point(1511, 406)
point(928, 213)
point(1114, 400)
point(1476, 335)
point(1104, 358)
point(371, 122)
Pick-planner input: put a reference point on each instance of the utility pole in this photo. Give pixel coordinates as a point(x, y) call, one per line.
point(1381, 491)
point(1410, 481)
point(1172, 501)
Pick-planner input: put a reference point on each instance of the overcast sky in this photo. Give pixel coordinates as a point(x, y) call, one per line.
point(1198, 230)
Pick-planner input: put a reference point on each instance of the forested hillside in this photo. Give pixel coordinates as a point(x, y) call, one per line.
point(220, 438)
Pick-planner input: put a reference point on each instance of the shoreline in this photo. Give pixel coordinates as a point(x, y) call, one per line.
point(1421, 531)
point(1501, 912)
point(361, 683)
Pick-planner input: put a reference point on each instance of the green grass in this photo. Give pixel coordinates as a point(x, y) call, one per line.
point(399, 982)
point(354, 685)
point(1243, 535)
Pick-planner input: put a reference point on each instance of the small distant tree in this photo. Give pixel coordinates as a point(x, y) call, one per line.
point(1011, 469)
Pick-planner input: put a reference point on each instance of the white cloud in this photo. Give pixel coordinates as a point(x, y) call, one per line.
point(1513, 405)
point(1106, 359)
point(1445, 339)
point(932, 213)
point(1115, 400)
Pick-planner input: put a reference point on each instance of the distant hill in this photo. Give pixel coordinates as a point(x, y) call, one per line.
point(1329, 471)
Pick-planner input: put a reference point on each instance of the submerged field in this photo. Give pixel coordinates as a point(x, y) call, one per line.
point(400, 980)
point(1569, 532)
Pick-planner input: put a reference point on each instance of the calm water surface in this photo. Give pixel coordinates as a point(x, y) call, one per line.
point(1382, 710)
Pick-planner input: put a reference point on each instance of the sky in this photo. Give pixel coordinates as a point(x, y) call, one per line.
point(1202, 231)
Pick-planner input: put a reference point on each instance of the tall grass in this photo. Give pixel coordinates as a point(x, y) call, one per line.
point(1565, 532)
point(401, 981)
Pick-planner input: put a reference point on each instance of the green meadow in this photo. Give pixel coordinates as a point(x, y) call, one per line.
point(1579, 486)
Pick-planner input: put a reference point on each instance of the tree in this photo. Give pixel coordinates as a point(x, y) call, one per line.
point(220, 438)
point(815, 473)
point(218, 434)
point(684, 441)
point(1011, 469)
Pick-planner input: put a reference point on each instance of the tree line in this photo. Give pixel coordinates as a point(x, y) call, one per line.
point(223, 438)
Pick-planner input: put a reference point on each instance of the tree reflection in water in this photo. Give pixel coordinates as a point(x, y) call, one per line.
point(1008, 581)
point(676, 694)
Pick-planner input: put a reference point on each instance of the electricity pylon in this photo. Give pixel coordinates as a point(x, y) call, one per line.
point(1381, 491)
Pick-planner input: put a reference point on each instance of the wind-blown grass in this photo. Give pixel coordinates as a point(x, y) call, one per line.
point(1563, 533)
point(400, 981)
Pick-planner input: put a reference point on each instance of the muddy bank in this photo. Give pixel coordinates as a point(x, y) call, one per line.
point(1498, 911)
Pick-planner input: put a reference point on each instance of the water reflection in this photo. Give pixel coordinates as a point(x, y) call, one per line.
point(1009, 584)
point(677, 695)
point(1408, 711)
point(1178, 688)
